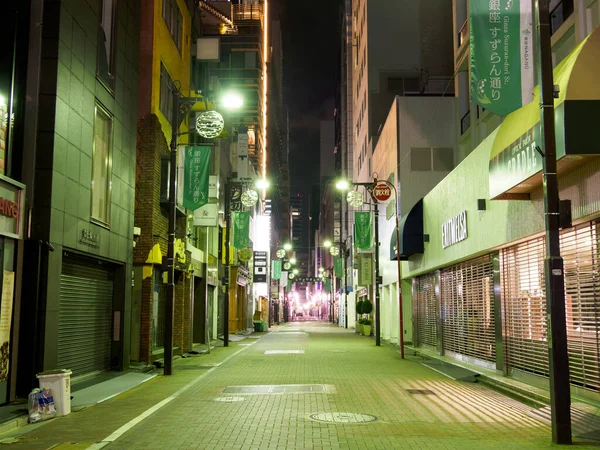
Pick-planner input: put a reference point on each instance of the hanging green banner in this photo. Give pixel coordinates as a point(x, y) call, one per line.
point(196, 165)
point(241, 229)
point(501, 40)
point(328, 286)
point(338, 267)
point(276, 272)
point(363, 236)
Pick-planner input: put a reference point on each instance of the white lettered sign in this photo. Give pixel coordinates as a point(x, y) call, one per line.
point(454, 230)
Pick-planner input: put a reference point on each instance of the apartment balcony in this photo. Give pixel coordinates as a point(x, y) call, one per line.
point(246, 14)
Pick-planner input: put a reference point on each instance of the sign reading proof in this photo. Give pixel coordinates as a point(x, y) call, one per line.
point(454, 230)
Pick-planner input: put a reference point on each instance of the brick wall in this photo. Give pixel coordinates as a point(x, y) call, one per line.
point(153, 221)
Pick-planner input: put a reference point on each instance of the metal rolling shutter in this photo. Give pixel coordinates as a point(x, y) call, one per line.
point(524, 304)
point(467, 291)
point(426, 310)
point(85, 316)
point(523, 296)
point(579, 249)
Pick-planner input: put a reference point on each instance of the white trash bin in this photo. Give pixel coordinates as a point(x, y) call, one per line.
point(59, 381)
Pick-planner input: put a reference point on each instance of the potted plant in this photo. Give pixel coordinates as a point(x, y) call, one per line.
point(360, 326)
point(366, 326)
point(359, 306)
point(367, 308)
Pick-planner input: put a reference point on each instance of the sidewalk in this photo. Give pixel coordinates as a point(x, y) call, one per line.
point(302, 386)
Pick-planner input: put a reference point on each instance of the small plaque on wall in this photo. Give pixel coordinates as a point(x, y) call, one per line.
point(89, 237)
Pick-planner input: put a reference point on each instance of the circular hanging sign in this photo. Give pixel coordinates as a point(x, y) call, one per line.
point(355, 199)
point(249, 198)
point(245, 255)
point(382, 191)
point(287, 266)
point(291, 276)
point(334, 251)
point(280, 253)
point(210, 124)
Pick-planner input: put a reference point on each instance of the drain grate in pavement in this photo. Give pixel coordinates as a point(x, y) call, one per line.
point(229, 399)
point(283, 352)
point(420, 392)
point(343, 417)
point(281, 389)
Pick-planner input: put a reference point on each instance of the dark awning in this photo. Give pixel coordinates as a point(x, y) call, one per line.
point(411, 234)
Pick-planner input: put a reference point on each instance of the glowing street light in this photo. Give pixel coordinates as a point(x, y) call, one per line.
point(262, 183)
point(287, 246)
point(232, 100)
point(293, 260)
point(342, 185)
point(295, 271)
point(327, 243)
point(321, 270)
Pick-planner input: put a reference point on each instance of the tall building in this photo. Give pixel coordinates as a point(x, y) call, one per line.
point(78, 163)
point(166, 38)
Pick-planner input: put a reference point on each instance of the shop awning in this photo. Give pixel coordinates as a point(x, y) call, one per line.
point(411, 234)
point(515, 165)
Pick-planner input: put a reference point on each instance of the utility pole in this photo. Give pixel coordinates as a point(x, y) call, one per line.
point(377, 302)
point(560, 396)
point(227, 258)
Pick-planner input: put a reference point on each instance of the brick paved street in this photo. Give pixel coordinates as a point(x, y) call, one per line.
point(358, 378)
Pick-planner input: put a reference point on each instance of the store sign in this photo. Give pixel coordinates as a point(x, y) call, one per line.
point(454, 230)
point(89, 237)
point(207, 215)
point(242, 145)
point(382, 191)
point(260, 267)
point(365, 269)
point(213, 187)
point(11, 208)
point(308, 280)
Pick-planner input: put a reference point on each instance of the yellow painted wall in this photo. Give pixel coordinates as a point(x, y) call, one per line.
point(177, 64)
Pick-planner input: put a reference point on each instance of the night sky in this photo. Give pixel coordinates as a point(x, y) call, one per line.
point(310, 47)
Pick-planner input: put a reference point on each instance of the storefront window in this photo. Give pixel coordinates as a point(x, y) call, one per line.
point(101, 166)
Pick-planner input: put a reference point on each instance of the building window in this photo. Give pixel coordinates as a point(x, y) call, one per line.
point(560, 10)
point(426, 159)
point(105, 67)
point(166, 93)
point(173, 19)
point(101, 166)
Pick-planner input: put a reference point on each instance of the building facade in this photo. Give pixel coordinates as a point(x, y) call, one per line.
point(82, 180)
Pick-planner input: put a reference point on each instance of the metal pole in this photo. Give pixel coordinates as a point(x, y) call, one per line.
point(345, 284)
point(227, 266)
point(377, 303)
point(170, 294)
point(560, 397)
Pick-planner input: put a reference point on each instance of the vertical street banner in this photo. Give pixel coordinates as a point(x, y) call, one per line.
point(365, 269)
point(363, 234)
point(501, 44)
point(276, 273)
point(241, 229)
point(338, 267)
point(196, 175)
point(328, 286)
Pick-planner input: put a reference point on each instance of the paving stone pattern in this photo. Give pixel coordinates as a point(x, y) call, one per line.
point(415, 407)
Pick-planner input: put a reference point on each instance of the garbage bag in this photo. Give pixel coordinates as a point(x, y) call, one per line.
point(41, 405)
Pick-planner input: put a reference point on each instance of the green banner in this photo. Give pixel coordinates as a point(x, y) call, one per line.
point(328, 286)
point(276, 272)
point(241, 229)
point(338, 267)
point(502, 54)
point(196, 173)
point(363, 235)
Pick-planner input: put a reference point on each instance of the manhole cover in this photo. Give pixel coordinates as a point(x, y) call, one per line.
point(420, 392)
point(283, 352)
point(229, 399)
point(343, 417)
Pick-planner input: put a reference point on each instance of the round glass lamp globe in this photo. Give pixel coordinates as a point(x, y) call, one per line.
point(355, 199)
point(210, 124)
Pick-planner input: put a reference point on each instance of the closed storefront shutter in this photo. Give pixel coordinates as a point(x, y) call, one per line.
point(524, 303)
point(426, 309)
point(579, 249)
point(523, 296)
point(467, 298)
point(85, 317)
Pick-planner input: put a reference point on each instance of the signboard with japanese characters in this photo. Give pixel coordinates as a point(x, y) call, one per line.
point(501, 40)
point(196, 176)
point(260, 267)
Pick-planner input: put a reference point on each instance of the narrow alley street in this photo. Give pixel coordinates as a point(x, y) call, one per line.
point(304, 385)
